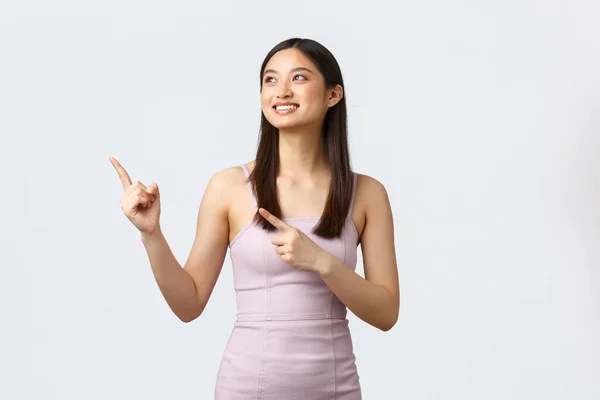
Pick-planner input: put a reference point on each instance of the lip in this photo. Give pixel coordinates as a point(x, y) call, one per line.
point(284, 112)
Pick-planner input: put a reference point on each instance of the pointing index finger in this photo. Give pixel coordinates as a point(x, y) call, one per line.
point(276, 222)
point(123, 175)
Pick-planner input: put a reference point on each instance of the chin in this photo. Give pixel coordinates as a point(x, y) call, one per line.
point(285, 125)
point(287, 122)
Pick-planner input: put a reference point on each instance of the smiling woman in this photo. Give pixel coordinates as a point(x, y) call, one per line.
point(292, 219)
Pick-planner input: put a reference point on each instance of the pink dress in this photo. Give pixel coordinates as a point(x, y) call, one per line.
point(291, 338)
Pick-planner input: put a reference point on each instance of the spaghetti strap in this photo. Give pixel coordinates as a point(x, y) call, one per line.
point(247, 174)
point(355, 176)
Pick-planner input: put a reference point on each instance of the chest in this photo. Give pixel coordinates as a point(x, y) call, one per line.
point(253, 254)
point(298, 200)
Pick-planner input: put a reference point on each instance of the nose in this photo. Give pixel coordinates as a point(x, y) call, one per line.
point(284, 91)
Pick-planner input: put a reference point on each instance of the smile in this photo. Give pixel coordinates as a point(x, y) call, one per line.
point(285, 109)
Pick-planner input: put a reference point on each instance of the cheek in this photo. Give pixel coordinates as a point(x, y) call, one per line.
point(265, 100)
point(314, 101)
point(314, 97)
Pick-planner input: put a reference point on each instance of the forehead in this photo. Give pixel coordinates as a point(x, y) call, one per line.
point(285, 60)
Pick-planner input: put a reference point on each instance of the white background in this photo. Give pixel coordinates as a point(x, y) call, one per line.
point(481, 118)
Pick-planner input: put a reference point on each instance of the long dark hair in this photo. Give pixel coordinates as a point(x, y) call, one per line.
point(334, 135)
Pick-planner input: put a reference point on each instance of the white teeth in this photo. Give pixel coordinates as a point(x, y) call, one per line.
point(286, 107)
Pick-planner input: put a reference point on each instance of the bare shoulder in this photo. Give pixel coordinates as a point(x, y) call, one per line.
point(226, 183)
point(220, 198)
point(229, 188)
point(370, 193)
point(234, 174)
point(371, 188)
point(369, 183)
point(226, 177)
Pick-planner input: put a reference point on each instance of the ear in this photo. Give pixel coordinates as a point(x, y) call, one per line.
point(335, 95)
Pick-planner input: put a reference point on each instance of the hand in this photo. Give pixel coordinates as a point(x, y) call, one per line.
point(139, 203)
point(295, 248)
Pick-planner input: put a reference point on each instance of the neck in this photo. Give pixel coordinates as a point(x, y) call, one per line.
point(301, 155)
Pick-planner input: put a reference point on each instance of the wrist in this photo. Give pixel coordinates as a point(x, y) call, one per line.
point(148, 237)
point(324, 263)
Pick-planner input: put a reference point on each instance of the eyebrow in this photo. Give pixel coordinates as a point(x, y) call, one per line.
point(292, 70)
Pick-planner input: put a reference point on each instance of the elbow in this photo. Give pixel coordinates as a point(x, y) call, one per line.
point(388, 325)
point(186, 319)
point(389, 322)
point(189, 316)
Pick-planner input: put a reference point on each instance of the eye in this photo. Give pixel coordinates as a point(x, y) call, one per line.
point(268, 78)
point(301, 76)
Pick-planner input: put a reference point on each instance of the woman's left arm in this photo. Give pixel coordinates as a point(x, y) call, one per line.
point(376, 298)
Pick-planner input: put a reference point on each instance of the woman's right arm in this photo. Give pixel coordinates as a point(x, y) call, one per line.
point(188, 289)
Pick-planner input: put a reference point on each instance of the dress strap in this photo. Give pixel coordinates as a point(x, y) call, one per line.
point(355, 176)
point(247, 174)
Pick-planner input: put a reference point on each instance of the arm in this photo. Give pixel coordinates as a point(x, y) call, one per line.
point(376, 298)
point(188, 289)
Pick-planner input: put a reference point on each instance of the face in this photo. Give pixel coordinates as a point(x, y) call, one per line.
point(293, 91)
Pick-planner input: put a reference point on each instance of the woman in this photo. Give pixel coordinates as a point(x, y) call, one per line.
point(292, 219)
